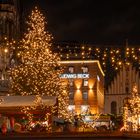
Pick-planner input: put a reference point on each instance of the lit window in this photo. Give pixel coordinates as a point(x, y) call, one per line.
point(71, 95)
point(71, 82)
point(84, 109)
point(85, 95)
point(71, 69)
point(71, 108)
point(85, 69)
point(85, 82)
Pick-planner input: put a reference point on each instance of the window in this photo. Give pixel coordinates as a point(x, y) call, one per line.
point(127, 83)
point(85, 95)
point(71, 95)
point(85, 82)
point(114, 107)
point(127, 90)
point(71, 82)
point(71, 108)
point(84, 109)
point(71, 69)
point(84, 69)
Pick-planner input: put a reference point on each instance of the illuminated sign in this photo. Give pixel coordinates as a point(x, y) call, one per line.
point(74, 76)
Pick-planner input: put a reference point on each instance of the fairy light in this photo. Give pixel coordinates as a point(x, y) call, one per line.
point(111, 56)
point(38, 74)
point(88, 124)
point(132, 112)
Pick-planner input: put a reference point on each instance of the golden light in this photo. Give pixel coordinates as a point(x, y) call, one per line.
point(113, 60)
point(5, 50)
point(132, 118)
point(83, 47)
point(89, 49)
point(136, 58)
point(97, 49)
point(78, 84)
point(127, 63)
point(83, 53)
point(91, 84)
point(120, 63)
point(38, 61)
point(127, 49)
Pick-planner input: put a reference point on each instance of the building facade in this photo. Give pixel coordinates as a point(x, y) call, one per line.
point(120, 89)
point(86, 77)
point(86, 86)
point(9, 29)
point(9, 23)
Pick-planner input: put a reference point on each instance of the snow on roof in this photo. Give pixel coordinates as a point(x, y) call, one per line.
point(15, 101)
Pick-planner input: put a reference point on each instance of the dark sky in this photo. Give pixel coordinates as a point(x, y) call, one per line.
point(91, 21)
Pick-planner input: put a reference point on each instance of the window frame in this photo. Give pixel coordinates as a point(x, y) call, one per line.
point(83, 95)
point(84, 83)
point(71, 97)
point(86, 71)
point(70, 70)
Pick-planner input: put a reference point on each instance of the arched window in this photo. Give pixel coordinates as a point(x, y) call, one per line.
point(113, 107)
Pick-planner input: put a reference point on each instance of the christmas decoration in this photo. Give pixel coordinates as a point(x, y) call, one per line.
point(109, 55)
point(132, 112)
point(39, 69)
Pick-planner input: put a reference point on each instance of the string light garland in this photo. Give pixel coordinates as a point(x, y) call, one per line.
point(115, 55)
point(39, 69)
point(131, 114)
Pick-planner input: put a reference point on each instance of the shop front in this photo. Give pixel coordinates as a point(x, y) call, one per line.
point(12, 117)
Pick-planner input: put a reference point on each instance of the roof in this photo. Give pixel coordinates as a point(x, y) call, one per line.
point(17, 101)
point(83, 62)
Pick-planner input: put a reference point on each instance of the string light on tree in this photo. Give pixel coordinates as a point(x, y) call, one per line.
point(39, 70)
point(132, 112)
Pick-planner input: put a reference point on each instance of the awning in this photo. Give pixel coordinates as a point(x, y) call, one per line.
point(18, 101)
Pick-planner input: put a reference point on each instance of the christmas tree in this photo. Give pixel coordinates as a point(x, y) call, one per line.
point(39, 69)
point(132, 112)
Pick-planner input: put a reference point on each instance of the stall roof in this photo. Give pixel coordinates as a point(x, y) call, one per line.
point(17, 101)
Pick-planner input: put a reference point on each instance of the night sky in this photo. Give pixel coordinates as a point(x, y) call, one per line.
point(90, 21)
